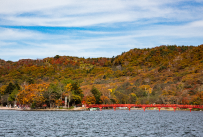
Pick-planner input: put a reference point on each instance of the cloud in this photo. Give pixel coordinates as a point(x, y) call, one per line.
point(18, 34)
point(86, 13)
point(89, 28)
point(193, 29)
point(92, 43)
point(29, 44)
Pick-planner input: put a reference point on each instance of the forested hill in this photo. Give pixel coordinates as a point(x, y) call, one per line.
point(164, 74)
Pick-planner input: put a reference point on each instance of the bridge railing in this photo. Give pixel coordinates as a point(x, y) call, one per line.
point(144, 105)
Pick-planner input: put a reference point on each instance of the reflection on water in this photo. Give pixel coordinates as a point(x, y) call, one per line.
point(101, 123)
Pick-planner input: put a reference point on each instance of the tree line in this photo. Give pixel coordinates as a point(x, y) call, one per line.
point(165, 74)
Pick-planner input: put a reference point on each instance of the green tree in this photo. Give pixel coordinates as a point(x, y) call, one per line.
point(77, 94)
point(12, 96)
point(96, 94)
point(10, 88)
point(56, 57)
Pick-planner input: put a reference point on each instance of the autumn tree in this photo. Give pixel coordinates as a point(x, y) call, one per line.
point(105, 99)
point(132, 98)
point(2, 93)
point(90, 99)
point(32, 95)
point(67, 93)
point(51, 95)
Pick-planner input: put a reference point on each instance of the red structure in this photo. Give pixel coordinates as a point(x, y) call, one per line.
point(159, 106)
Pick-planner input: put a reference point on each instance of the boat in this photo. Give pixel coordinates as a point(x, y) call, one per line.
point(94, 109)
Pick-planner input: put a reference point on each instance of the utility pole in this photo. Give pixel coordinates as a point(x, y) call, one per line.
point(68, 100)
point(65, 101)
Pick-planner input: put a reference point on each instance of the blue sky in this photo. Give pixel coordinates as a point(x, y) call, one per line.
point(37, 29)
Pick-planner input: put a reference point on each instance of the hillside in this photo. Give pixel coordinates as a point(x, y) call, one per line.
point(165, 74)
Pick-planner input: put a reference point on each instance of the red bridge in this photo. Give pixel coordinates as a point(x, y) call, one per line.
point(159, 106)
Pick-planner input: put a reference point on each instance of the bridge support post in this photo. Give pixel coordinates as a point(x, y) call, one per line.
point(174, 109)
point(129, 108)
point(159, 108)
point(100, 108)
point(190, 109)
point(114, 108)
point(143, 108)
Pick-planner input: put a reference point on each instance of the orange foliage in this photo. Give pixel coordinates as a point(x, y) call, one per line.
point(32, 93)
point(90, 100)
point(58, 102)
point(105, 99)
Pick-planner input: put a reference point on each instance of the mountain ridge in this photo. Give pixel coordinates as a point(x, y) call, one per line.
point(164, 74)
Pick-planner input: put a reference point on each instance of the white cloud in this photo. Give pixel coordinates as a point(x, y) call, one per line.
point(22, 6)
point(126, 24)
point(18, 34)
point(86, 13)
point(102, 45)
point(195, 24)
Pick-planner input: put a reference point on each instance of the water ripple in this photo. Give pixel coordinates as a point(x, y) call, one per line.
point(101, 123)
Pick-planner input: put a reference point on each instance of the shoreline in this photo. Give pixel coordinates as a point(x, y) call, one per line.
point(85, 109)
point(52, 109)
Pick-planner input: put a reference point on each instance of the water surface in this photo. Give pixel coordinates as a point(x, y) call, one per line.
point(101, 123)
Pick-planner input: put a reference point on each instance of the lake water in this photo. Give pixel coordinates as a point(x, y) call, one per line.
point(101, 123)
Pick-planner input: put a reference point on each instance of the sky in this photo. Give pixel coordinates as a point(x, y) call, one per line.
point(36, 29)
